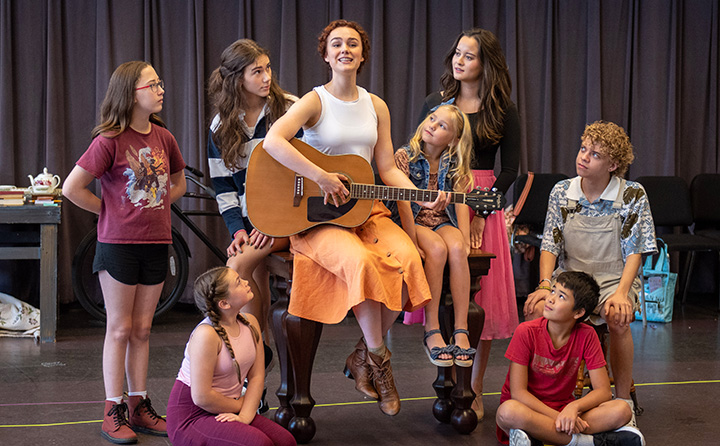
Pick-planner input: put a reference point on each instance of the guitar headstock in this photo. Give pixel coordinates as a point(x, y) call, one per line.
point(484, 200)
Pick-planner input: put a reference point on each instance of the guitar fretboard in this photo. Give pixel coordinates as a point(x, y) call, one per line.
point(373, 192)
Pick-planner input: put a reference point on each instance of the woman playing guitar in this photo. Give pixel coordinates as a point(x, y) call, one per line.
point(373, 268)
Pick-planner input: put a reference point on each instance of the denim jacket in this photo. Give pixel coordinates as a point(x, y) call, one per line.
point(419, 175)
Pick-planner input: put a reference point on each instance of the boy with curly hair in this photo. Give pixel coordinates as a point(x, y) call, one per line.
point(600, 223)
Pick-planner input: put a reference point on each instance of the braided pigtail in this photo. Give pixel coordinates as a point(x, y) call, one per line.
point(254, 332)
point(210, 288)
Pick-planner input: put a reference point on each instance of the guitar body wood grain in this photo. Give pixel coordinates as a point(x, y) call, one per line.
point(271, 189)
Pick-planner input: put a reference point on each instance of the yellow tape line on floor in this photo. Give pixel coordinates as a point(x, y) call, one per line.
point(352, 403)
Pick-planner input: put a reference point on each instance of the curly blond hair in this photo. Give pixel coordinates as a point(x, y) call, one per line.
point(615, 142)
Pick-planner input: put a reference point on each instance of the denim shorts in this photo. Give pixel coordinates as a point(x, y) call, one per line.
point(132, 264)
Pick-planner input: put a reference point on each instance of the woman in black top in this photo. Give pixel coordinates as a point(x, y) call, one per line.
point(477, 81)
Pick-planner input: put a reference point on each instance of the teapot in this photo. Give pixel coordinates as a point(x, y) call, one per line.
point(44, 182)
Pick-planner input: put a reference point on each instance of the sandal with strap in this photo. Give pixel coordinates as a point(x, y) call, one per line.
point(435, 352)
point(459, 351)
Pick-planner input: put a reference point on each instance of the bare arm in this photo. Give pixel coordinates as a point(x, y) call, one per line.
point(547, 266)
point(303, 113)
point(178, 186)
point(463, 220)
point(76, 190)
point(569, 420)
point(408, 222)
point(255, 378)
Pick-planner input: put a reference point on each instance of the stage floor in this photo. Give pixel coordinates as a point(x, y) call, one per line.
point(52, 394)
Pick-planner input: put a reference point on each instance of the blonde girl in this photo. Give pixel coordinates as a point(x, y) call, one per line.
point(438, 157)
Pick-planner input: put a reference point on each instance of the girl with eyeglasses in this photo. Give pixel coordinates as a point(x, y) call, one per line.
point(140, 169)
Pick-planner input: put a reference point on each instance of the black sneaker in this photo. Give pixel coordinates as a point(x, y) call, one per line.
point(264, 407)
point(624, 436)
point(269, 360)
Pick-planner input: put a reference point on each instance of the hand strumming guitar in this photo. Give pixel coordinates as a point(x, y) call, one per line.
point(331, 184)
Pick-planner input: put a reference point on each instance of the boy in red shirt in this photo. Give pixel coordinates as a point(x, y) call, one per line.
point(537, 402)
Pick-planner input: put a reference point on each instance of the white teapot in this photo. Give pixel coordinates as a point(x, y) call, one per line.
point(44, 182)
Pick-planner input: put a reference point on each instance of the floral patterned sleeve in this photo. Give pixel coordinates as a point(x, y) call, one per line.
point(638, 231)
point(402, 161)
point(553, 240)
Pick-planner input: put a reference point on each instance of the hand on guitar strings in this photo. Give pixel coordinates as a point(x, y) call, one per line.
point(333, 187)
point(440, 203)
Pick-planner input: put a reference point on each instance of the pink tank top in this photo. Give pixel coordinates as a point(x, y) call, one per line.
point(225, 378)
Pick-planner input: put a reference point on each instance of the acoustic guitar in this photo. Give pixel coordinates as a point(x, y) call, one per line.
point(281, 203)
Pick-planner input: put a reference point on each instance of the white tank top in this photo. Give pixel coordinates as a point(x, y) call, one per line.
point(344, 126)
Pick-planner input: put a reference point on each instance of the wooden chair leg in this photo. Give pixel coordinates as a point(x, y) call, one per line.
point(464, 419)
point(286, 390)
point(302, 337)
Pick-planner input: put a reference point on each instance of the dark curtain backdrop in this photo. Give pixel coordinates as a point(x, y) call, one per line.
point(649, 65)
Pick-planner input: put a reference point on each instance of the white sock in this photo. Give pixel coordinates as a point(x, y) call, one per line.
point(115, 399)
point(142, 393)
point(629, 401)
point(581, 440)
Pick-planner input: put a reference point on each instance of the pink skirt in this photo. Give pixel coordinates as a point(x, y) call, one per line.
point(497, 289)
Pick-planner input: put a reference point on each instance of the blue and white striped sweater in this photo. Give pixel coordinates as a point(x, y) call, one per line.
point(229, 184)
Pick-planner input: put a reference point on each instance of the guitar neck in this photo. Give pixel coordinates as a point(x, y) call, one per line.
point(374, 192)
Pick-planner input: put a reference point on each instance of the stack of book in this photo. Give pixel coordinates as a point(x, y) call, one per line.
point(45, 198)
point(12, 197)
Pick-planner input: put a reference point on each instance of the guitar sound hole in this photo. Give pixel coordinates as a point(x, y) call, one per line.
point(317, 212)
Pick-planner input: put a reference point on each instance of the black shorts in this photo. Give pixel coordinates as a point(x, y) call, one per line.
point(132, 264)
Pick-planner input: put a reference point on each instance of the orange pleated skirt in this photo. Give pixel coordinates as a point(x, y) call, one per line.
point(338, 268)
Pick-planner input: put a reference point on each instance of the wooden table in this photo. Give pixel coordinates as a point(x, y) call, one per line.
point(36, 226)
point(297, 339)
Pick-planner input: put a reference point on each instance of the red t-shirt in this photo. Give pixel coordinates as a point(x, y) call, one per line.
point(552, 373)
point(134, 171)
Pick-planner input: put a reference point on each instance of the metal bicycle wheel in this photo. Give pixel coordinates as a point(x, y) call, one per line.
point(86, 285)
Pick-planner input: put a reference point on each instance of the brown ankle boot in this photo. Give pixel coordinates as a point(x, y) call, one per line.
point(384, 383)
point(358, 368)
point(143, 417)
point(115, 426)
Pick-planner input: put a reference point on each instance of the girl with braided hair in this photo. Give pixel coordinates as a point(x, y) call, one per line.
point(207, 405)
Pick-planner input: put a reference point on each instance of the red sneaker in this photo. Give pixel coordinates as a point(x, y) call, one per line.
point(115, 427)
point(143, 417)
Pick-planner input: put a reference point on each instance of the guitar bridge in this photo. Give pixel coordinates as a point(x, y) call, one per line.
point(299, 190)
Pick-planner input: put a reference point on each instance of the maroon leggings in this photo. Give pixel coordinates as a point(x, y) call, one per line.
point(189, 425)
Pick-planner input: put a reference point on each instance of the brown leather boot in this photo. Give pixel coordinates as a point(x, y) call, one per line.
point(384, 383)
point(115, 426)
point(143, 417)
point(358, 368)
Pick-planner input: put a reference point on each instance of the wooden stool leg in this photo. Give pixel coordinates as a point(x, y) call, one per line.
point(464, 419)
point(443, 406)
point(286, 390)
point(302, 337)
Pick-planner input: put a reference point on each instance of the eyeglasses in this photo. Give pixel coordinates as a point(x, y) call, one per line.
point(153, 87)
